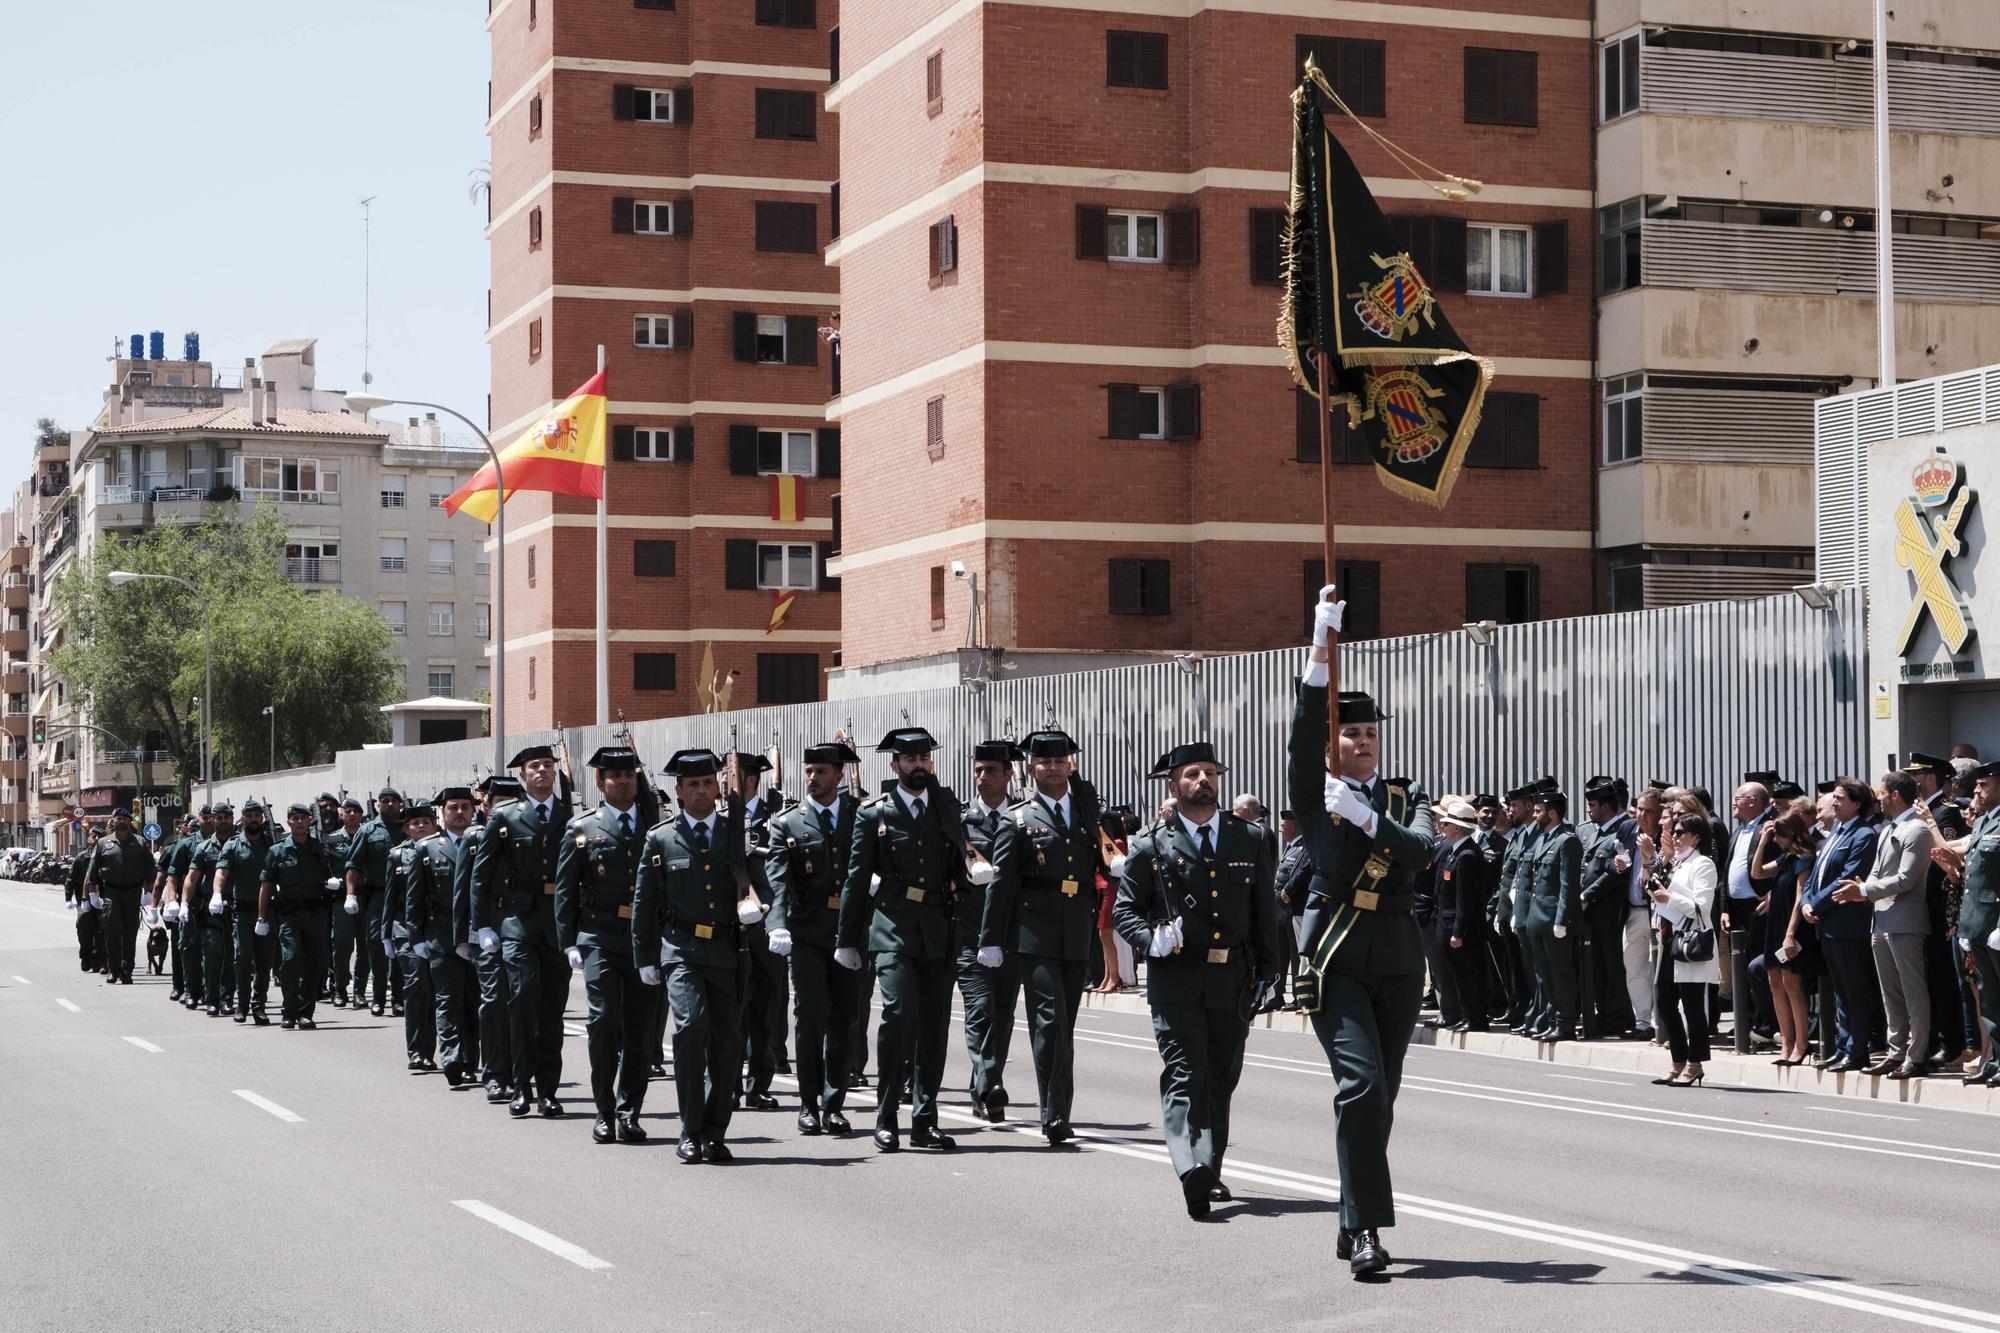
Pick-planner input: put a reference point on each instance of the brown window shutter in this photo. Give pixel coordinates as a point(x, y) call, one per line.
point(1124, 578)
point(534, 338)
point(1485, 592)
point(744, 326)
point(1121, 59)
point(684, 442)
point(801, 340)
point(535, 228)
point(802, 115)
point(1551, 258)
point(833, 54)
point(936, 248)
point(1090, 222)
point(1153, 60)
point(829, 452)
point(1267, 227)
point(1482, 86)
point(1184, 411)
point(1362, 69)
point(1183, 235)
point(1360, 583)
point(934, 80)
point(822, 580)
point(1524, 430)
point(621, 214)
point(684, 103)
point(947, 257)
point(742, 450)
point(1447, 270)
point(535, 115)
point(800, 14)
point(833, 210)
point(1519, 94)
point(771, 11)
point(621, 444)
point(739, 563)
point(1123, 402)
point(683, 328)
point(1306, 426)
point(684, 216)
point(621, 101)
point(770, 113)
point(934, 427)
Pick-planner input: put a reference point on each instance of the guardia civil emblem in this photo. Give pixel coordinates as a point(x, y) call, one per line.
point(1391, 307)
point(1400, 399)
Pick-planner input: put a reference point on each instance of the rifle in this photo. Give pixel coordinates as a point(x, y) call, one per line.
point(650, 799)
point(565, 778)
point(853, 769)
point(733, 801)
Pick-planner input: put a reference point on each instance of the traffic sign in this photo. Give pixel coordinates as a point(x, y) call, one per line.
point(152, 832)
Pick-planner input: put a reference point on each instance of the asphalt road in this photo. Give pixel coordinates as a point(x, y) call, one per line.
point(166, 1169)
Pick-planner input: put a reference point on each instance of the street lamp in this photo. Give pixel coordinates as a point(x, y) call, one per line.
point(121, 577)
point(271, 711)
point(364, 403)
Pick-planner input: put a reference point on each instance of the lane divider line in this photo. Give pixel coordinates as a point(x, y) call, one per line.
point(145, 1045)
point(534, 1235)
point(24, 981)
point(265, 1103)
point(70, 1005)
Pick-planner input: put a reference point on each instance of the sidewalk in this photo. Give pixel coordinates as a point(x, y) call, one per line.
point(1938, 1092)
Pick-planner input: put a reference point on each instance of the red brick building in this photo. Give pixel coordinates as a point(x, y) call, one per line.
point(1058, 269)
point(662, 185)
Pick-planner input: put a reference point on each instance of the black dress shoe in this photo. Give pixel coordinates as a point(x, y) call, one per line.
point(715, 1150)
point(496, 1091)
point(689, 1151)
point(760, 1101)
point(1905, 1071)
point(808, 1121)
point(996, 1107)
point(260, 1019)
point(1976, 1076)
point(375, 1009)
point(1366, 1257)
point(519, 1108)
point(930, 1137)
point(240, 1017)
point(307, 1025)
point(550, 1108)
point(340, 999)
point(396, 1010)
point(416, 1064)
point(1058, 1133)
point(1219, 1193)
point(1519, 1030)
point(629, 1131)
point(214, 1011)
point(430, 1065)
point(1195, 1186)
point(656, 1070)
point(887, 1141)
point(1852, 1065)
point(835, 1123)
point(1461, 1026)
point(289, 1023)
point(1831, 1062)
point(1882, 1067)
point(454, 1073)
point(601, 1131)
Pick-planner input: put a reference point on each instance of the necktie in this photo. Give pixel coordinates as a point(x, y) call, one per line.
point(542, 813)
point(625, 825)
point(916, 810)
point(825, 821)
point(701, 835)
point(1207, 847)
point(1055, 812)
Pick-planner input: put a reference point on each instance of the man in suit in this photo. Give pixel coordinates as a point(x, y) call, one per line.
point(1195, 897)
point(1433, 931)
point(1361, 965)
point(1847, 854)
point(496, 1054)
point(1041, 916)
point(427, 921)
point(988, 993)
point(766, 994)
point(1741, 924)
point(1977, 857)
point(513, 911)
point(1896, 888)
point(1460, 879)
point(805, 860)
point(1935, 778)
point(1602, 896)
point(1554, 867)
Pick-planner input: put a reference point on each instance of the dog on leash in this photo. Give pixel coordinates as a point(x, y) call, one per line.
point(156, 949)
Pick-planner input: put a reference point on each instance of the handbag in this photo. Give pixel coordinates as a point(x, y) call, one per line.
point(1694, 941)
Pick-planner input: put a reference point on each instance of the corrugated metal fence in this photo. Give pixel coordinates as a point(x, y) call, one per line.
point(1695, 694)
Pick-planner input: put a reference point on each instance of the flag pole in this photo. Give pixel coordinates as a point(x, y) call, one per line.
point(603, 597)
point(1327, 536)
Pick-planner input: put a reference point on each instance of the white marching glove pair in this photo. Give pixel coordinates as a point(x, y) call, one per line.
point(575, 956)
point(333, 884)
point(262, 927)
point(1166, 939)
point(981, 873)
point(146, 898)
point(650, 975)
point(749, 911)
point(96, 903)
point(352, 906)
point(422, 949)
point(215, 905)
point(848, 958)
point(781, 942)
point(990, 956)
point(1345, 803)
point(1326, 616)
point(152, 916)
point(1562, 932)
point(489, 940)
point(172, 911)
point(1117, 867)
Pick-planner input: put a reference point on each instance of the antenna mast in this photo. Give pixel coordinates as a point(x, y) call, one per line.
point(367, 255)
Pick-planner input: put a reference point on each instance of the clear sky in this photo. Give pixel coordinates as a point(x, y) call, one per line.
point(199, 166)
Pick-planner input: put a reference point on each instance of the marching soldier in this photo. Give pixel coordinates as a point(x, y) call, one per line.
point(367, 894)
point(1041, 917)
point(496, 1054)
point(766, 992)
point(87, 904)
point(1550, 883)
point(513, 909)
point(686, 931)
point(895, 904)
point(805, 861)
point(1360, 967)
point(237, 878)
point(207, 911)
point(595, 876)
point(297, 876)
point(427, 921)
point(419, 1008)
point(121, 870)
point(1196, 897)
point(338, 833)
point(177, 906)
point(988, 993)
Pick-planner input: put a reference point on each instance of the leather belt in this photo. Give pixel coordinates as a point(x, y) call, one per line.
point(833, 902)
point(1368, 900)
point(721, 934)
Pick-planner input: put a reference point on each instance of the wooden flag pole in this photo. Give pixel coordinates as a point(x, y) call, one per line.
point(1327, 548)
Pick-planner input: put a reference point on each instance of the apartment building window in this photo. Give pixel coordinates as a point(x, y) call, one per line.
point(937, 596)
point(1618, 233)
point(652, 4)
point(482, 680)
point(1173, 237)
point(1621, 77)
point(1149, 412)
point(786, 13)
point(1135, 59)
point(394, 491)
point(934, 83)
point(1267, 231)
point(441, 489)
point(934, 428)
point(1350, 446)
point(535, 116)
point(646, 217)
point(531, 565)
point(1509, 594)
point(655, 671)
point(443, 559)
point(787, 228)
point(438, 681)
point(443, 619)
point(397, 614)
point(534, 339)
point(395, 554)
point(1624, 418)
point(1132, 238)
point(653, 559)
point(833, 213)
point(652, 444)
point(1509, 434)
point(785, 565)
point(1353, 65)
point(783, 113)
point(833, 54)
point(1496, 260)
point(654, 104)
point(535, 228)
point(1500, 87)
point(764, 453)
point(531, 677)
point(482, 620)
point(658, 330)
point(1141, 587)
point(943, 248)
point(1360, 584)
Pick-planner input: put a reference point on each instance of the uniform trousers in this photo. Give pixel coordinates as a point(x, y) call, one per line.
point(1555, 977)
point(910, 1043)
point(121, 929)
point(864, 1013)
point(1053, 988)
point(708, 1045)
point(419, 1002)
point(976, 986)
point(619, 1030)
point(764, 1006)
point(538, 986)
point(254, 955)
point(1986, 964)
point(342, 962)
point(1906, 996)
point(1605, 920)
point(824, 998)
point(189, 952)
point(174, 956)
point(217, 937)
point(1003, 996)
point(1363, 1025)
point(301, 959)
point(373, 964)
point(1202, 1051)
point(496, 1053)
point(1467, 966)
point(89, 936)
point(455, 986)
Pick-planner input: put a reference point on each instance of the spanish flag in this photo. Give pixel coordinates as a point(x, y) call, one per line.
point(563, 453)
point(781, 606)
point(785, 499)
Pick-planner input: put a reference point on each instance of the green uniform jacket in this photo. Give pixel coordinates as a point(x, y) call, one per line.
point(596, 872)
point(684, 905)
point(806, 868)
point(462, 931)
point(122, 863)
point(758, 824)
point(1336, 935)
point(1228, 912)
point(177, 860)
point(297, 873)
point(514, 872)
point(1601, 879)
point(244, 859)
point(1554, 868)
point(1979, 909)
point(1045, 901)
point(200, 882)
point(911, 912)
point(403, 857)
point(427, 898)
point(1518, 883)
point(991, 833)
point(369, 852)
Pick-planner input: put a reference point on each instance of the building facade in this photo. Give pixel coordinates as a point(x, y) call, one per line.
point(1736, 263)
point(1059, 270)
point(615, 126)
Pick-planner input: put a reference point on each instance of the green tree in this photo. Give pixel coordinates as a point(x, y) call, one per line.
point(324, 662)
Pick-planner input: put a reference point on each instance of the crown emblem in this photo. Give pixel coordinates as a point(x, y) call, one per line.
point(1933, 480)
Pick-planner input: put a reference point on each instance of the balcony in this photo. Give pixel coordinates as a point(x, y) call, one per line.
point(312, 498)
point(133, 757)
point(15, 595)
point(14, 639)
point(1923, 99)
point(1815, 261)
point(315, 571)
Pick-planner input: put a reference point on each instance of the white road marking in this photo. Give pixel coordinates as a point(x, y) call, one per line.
point(36, 911)
point(144, 1045)
point(24, 981)
point(534, 1235)
point(265, 1103)
point(1872, 1115)
point(1604, 1082)
point(573, 1030)
point(70, 1005)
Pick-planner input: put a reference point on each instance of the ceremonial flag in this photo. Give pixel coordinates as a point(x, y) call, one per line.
point(781, 606)
point(563, 452)
point(785, 499)
point(1407, 382)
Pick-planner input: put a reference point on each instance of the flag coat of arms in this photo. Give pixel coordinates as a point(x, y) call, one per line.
point(562, 452)
point(1407, 381)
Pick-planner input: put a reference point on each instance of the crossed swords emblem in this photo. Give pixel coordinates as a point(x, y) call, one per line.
point(1922, 548)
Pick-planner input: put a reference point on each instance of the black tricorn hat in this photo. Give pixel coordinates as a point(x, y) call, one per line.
point(747, 762)
point(907, 740)
point(1486, 801)
point(1784, 789)
point(693, 764)
point(615, 759)
point(1357, 706)
point(1190, 752)
point(1602, 788)
point(837, 753)
point(1049, 744)
point(420, 810)
point(996, 752)
point(532, 753)
point(452, 794)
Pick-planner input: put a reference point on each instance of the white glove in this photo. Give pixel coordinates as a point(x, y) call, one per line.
point(650, 975)
point(981, 873)
point(489, 940)
point(389, 945)
point(262, 927)
point(781, 942)
point(465, 951)
point(172, 911)
point(1345, 803)
point(1326, 616)
point(72, 904)
point(332, 884)
point(1993, 940)
point(1117, 866)
point(1562, 932)
point(1166, 939)
point(874, 885)
point(146, 898)
point(1964, 944)
point(96, 902)
point(215, 905)
point(152, 916)
point(575, 956)
point(352, 906)
point(1262, 993)
point(422, 949)
point(990, 956)
point(848, 958)
point(749, 911)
